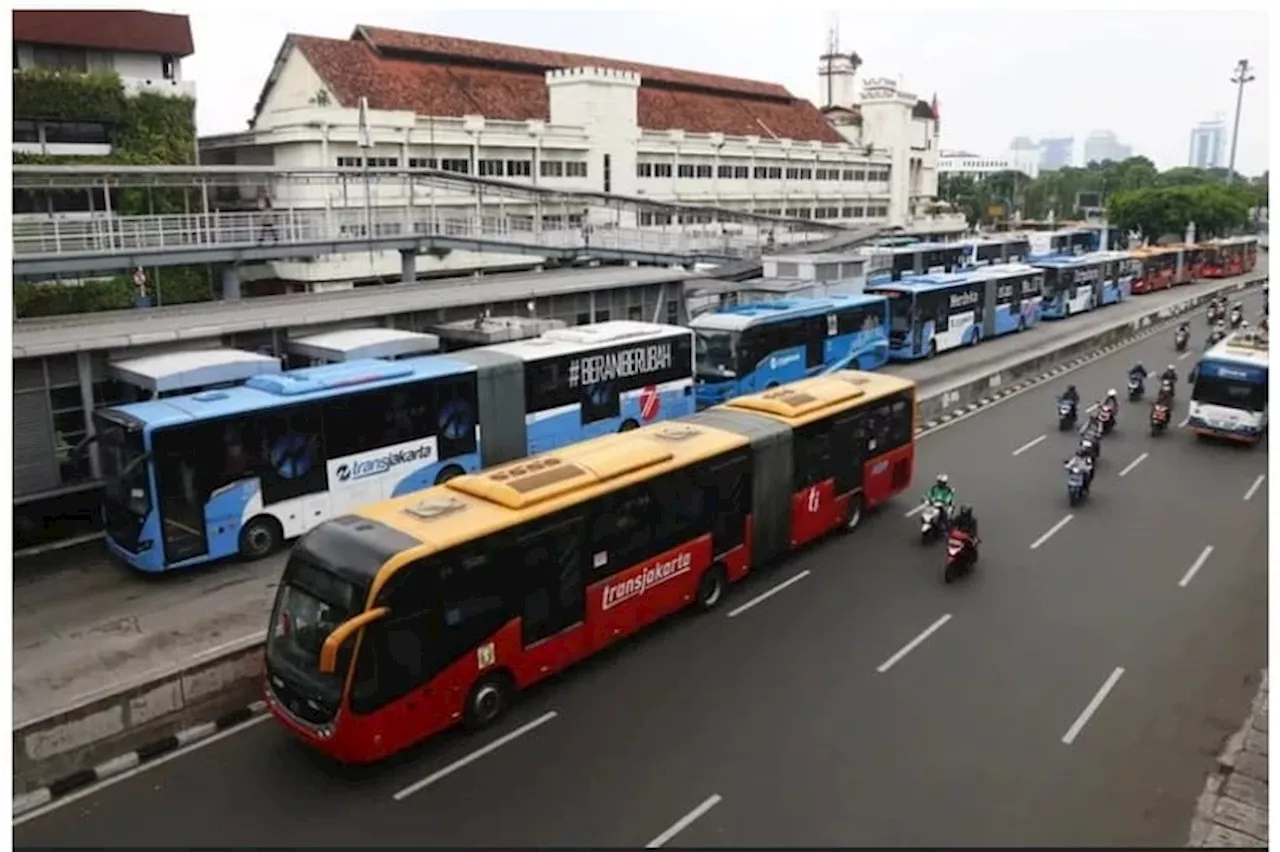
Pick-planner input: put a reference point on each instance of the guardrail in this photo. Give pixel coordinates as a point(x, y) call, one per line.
point(108, 235)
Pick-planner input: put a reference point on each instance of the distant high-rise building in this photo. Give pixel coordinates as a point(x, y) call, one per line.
point(1057, 153)
point(1208, 141)
point(1102, 145)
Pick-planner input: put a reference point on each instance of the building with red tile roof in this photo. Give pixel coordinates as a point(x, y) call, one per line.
point(389, 98)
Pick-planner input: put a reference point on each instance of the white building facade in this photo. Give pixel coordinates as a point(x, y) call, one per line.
point(599, 126)
point(1208, 144)
point(977, 166)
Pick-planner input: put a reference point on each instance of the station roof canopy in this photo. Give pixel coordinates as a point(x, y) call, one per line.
point(178, 371)
point(352, 343)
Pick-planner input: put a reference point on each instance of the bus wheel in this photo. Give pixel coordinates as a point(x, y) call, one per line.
point(488, 701)
point(771, 386)
point(933, 349)
point(855, 513)
point(628, 425)
point(261, 537)
point(711, 587)
point(447, 473)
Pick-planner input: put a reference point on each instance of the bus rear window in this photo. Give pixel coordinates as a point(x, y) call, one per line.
point(1230, 393)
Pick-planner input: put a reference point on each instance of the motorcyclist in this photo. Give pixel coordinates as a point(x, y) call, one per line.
point(1072, 396)
point(1182, 333)
point(942, 494)
point(1170, 374)
point(1138, 371)
point(1081, 462)
point(1112, 401)
point(967, 523)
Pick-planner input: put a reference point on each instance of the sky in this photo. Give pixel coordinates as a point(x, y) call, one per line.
point(1148, 76)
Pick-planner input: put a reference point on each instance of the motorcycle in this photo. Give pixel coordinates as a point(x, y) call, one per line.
point(1107, 417)
point(1092, 448)
point(1180, 338)
point(933, 522)
point(1066, 414)
point(1167, 386)
point(1077, 483)
point(962, 555)
point(1215, 336)
point(1136, 388)
point(1159, 418)
point(1237, 317)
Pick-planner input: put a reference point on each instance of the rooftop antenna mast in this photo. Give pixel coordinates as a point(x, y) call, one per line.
point(833, 50)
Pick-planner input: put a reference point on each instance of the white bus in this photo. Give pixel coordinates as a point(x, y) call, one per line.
point(1229, 394)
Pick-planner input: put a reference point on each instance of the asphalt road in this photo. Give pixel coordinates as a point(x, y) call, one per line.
point(801, 722)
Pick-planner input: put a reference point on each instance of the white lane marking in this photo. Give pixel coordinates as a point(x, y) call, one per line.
point(474, 756)
point(1186, 354)
point(1185, 421)
point(683, 823)
point(1131, 465)
point(1253, 489)
point(1195, 567)
point(1028, 445)
point(137, 770)
point(1093, 407)
point(764, 596)
point(1035, 545)
point(911, 646)
point(1087, 714)
point(919, 508)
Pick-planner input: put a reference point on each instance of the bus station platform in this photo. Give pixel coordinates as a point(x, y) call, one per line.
point(85, 626)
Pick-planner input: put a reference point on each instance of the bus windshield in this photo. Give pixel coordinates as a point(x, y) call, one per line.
point(312, 603)
point(1230, 393)
point(126, 484)
point(900, 312)
point(717, 354)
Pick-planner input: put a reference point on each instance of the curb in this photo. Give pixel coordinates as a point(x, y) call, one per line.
point(133, 759)
point(1232, 810)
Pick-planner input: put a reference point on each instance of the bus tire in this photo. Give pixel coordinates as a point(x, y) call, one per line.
point(711, 587)
point(854, 520)
point(448, 472)
point(261, 537)
point(487, 701)
point(771, 386)
point(628, 425)
point(933, 349)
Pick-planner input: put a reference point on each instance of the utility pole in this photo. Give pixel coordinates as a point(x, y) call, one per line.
point(1243, 74)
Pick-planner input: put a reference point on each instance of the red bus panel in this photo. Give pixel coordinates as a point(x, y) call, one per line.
point(813, 512)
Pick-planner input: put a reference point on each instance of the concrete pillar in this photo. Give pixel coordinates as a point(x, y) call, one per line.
point(84, 370)
point(230, 283)
point(408, 266)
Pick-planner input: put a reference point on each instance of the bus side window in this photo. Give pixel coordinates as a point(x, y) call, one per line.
point(900, 421)
point(811, 454)
point(682, 510)
point(293, 445)
point(553, 581)
point(453, 420)
point(622, 530)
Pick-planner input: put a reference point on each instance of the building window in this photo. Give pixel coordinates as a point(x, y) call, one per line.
point(75, 133)
point(644, 170)
point(792, 173)
point(759, 172)
point(741, 172)
point(384, 162)
point(847, 174)
point(422, 163)
point(575, 169)
point(602, 315)
point(168, 67)
point(349, 162)
point(662, 170)
point(724, 172)
point(460, 166)
point(673, 312)
point(62, 58)
point(633, 312)
point(608, 173)
point(491, 168)
point(551, 168)
point(775, 173)
point(519, 168)
point(582, 318)
point(685, 170)
point(702, 171)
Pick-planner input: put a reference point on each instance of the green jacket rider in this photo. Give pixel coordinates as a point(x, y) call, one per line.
point(941, 492)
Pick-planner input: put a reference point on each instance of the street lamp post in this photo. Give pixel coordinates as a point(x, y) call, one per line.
point(1243, 74)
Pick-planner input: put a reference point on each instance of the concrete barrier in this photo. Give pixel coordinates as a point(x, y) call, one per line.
point(111, 733)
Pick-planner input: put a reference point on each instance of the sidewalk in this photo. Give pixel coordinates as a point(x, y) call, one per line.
point(1232, 810)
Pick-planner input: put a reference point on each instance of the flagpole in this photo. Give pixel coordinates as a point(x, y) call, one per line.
point(364, 138)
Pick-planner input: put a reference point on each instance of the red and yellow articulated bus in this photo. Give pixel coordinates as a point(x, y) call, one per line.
point(1158, 266)
point(411, 615)
point(1230, 256)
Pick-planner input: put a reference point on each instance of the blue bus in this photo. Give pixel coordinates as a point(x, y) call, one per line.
point(237, 471)
point(933, 313)
point(1074, 285)
point(755, 346)
point(1075, 240)
point(895, 263)
point(996, 249)
point(1229, 393)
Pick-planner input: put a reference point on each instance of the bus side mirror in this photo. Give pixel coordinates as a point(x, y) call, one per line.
point(1191, 377)
point(335, 640)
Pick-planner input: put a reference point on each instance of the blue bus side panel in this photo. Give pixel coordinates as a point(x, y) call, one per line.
point(550, 431)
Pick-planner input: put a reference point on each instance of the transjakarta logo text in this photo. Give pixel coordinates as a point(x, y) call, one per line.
point(381, 464)
point(654, 575)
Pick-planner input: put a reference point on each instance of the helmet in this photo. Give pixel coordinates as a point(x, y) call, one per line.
point(1111, 392)
point(1244, 323)
point(964, 513)
point(1085, 445)
point(1172, 369)
point(1071, 388)
point(942, 479)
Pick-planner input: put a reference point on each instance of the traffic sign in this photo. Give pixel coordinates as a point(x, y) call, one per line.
point(650, 403)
